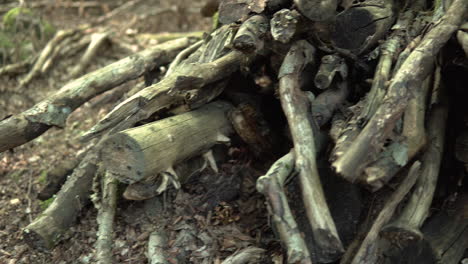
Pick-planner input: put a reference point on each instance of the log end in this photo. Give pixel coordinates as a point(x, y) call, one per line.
point(330, 246)
point(40, 234)
point(123, 158)
point(401, 234)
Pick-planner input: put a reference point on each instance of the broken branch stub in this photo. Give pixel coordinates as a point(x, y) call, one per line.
point(296, 107)
point(141, 152)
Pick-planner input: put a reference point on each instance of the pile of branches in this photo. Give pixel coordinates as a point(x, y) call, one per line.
point(313, 60)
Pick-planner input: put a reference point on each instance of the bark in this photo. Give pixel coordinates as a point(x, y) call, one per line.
point(53, 111)
point(317, 10)
point(272, 186)
point(368, 253)
point(331, 64)
point(284, 25)
point(246, 255)
point(407, 226)
point(105, 218)
point(249, 37)
point(50, 227)
point(408, 78)
point(138, 153)
point(156, 248)
point(296, 107)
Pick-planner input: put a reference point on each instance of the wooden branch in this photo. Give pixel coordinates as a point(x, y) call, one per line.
point(50, 227)
point(138, 153)
point(330, 65)
point(182, 87)
point(105, 218)
point(247, 255)
point(156, 247)
point(369, 251)
point(328, 102)
point(271, 185)
point(462, 36)
point(296, 107)
point(97, 40)
point(406, 227)
point(283, 25)
point(53, 111)
point(317, 10)
point(57, 176)
point(409, 77)
point(249, 37)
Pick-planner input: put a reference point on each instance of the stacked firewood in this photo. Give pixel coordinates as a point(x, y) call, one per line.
point(351, 95)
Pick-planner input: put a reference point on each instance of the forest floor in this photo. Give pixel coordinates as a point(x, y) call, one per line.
point(208, 232)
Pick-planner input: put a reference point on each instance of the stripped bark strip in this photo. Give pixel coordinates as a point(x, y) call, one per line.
point(54, 111)
point(297, 109)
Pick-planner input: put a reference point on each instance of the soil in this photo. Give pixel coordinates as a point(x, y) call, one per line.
point(202, 227)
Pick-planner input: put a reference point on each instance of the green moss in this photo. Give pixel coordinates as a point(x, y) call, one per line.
point(43, 177)
point(45, 204)
point(9, 19)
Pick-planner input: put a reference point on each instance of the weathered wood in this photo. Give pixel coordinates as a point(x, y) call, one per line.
point(249, 37)
point(408, 78)
point(462, 36)
point(247, 255)
point(406, 227)
point(106, 212)
point(297, 109)
point(317, 10)
point(231, 11)
point(368, 252)
point(272, 186)
point(330, 65)
point(50, 227)
point(138, 153)
point(283, 25)
point(188, 84)
point(360, 27)
point(54, 110)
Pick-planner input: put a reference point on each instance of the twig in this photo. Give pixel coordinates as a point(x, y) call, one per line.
point(97, 40)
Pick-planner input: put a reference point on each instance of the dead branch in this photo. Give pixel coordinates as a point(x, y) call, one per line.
point(156, 247)
point(138, 153)
point(368, 253)
point(246, 255)
point(97, 40)
point(411, 74)
point(105, 218)
point(50, 227)
point(406, 227)
point(249, 37)
point(272, 186)
point(284, 24)
point(296, 107)
point(53, 111)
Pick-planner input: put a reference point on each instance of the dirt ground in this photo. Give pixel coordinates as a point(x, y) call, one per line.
point(198, 232)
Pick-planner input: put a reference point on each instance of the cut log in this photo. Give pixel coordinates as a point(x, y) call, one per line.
point(296, 107)
point(54, 110)
point(138, 153)
point(284, 24)
point(317, 10)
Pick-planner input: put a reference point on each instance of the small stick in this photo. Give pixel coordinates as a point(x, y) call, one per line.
point(97, 40)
